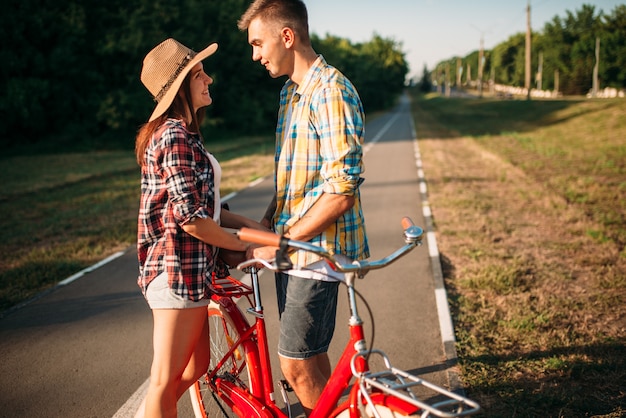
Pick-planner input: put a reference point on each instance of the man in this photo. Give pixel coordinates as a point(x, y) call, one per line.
point(318, 166)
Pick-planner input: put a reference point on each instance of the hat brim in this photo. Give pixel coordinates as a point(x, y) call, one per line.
point(171, 93)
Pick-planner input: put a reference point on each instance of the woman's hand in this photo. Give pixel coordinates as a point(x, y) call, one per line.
point(232, 258)
point(261, 252)
point(266, 223)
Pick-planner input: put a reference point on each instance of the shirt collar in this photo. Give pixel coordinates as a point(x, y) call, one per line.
point(311, 76)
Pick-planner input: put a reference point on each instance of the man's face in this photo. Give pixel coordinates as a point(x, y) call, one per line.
point(268, 47)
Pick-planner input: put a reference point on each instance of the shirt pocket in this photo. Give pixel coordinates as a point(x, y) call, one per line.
point(204, 180)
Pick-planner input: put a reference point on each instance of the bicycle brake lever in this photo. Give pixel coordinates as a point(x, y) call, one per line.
point(283, 262)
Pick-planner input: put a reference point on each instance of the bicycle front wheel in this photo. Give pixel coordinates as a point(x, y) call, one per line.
point(224, 332)
point(382, 410)
point(385, 407)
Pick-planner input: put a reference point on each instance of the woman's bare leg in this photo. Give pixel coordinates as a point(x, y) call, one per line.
point(180, 357)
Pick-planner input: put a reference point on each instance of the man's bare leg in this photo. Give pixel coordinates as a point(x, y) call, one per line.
point(307, 377)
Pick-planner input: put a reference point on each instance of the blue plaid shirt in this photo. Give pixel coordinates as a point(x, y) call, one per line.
point(319, 140)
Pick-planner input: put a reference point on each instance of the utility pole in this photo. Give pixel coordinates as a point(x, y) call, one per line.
point(481, 59)
point(594, 91)
point(527, 69)
point(439, 81)
point(481, 54)
point(556, 82)
point(459, 71)
point(540, 72)
point(447, 79)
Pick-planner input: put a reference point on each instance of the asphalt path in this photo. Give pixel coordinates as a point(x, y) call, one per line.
point(84, 349)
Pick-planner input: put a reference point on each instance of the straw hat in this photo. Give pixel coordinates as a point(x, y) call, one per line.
point(165, 68)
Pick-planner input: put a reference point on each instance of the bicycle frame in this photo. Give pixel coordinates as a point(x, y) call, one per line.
point(253, 340)
point(260, 402)
point(370, 389)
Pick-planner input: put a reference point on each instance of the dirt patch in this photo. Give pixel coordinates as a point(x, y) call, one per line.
point(535, 297)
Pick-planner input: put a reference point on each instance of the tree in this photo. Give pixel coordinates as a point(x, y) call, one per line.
point(508, 60)
point(568, 46)
point(426, 84)
point(613, 49)
point(377, 68)
point(71, 69)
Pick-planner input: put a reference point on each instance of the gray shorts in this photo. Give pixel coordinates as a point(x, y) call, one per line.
point(160, 296)
point(307, 310)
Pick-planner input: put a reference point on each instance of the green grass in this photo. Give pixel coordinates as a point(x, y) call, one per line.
point(529, 203)
point(65, 211)
point(576, 147)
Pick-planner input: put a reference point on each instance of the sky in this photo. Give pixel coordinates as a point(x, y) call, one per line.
point(434, 30)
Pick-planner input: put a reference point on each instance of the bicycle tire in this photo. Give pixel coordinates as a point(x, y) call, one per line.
point(383, 411)
point(382, 408)
point(223, 332)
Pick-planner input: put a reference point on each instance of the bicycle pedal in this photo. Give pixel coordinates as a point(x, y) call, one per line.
point(286, 386)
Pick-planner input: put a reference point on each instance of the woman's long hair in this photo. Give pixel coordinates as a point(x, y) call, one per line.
point(178, 109)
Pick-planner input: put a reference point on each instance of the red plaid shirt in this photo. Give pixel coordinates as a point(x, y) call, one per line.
point(177, 185)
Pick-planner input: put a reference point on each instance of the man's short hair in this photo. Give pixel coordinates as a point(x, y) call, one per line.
point(285, 13)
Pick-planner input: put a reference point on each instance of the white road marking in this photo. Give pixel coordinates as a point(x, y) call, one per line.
point(129, 408)
point(443, 310)
point(90, 269)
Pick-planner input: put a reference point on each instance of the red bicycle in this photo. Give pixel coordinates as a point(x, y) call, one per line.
point(239, 381)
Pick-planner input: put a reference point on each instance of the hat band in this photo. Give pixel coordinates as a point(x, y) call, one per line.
point(174, 76)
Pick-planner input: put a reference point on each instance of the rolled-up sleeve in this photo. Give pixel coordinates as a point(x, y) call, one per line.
point(184, 176)
point(340, 129)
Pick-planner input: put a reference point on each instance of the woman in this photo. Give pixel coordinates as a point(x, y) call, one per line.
point(180, 221)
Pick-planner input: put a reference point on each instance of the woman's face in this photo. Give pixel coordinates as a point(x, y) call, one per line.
point(199, 83)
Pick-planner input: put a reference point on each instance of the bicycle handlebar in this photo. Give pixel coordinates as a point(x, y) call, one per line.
point(406, 222)
point(412, 236)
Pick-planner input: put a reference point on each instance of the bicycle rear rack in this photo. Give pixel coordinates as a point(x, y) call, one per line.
point(403, 385)
point(229, 286)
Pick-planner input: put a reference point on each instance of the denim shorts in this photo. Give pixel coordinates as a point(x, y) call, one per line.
point(307, 310)
point(160, 296)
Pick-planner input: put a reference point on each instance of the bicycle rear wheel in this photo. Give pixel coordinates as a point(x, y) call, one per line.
point(223, 333)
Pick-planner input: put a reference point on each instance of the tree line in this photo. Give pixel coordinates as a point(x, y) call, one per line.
point(71, 69)
point(563, 52)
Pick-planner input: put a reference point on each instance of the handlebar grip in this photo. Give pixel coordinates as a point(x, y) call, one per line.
point(407, 223)
point(259, 237)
